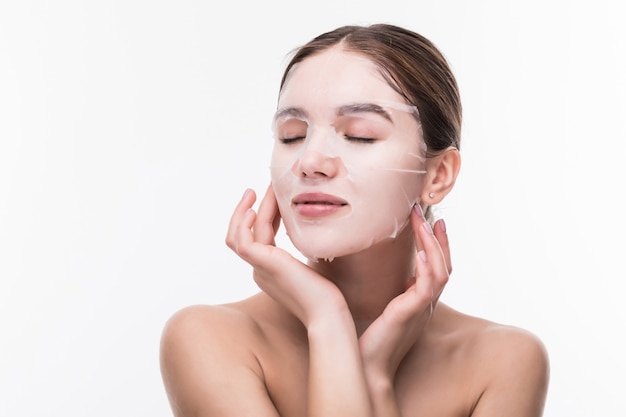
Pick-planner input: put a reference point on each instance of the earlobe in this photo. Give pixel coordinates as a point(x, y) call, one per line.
point(441, 173)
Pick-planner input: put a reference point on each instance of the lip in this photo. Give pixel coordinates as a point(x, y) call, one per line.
point(317, 204)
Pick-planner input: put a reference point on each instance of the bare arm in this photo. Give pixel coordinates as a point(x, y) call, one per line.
point(347, 376)
point(208, 370)
point(387, 340)
point(337, 385)
point(336, 381)
point(511, 363)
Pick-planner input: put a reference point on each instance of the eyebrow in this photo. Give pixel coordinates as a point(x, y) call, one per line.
point(344, 110)
point(295, 112)
point(364, 108)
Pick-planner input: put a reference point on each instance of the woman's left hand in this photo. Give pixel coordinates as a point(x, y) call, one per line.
point(388, 339)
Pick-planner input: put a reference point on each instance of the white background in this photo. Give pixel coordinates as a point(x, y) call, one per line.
point(130, 129)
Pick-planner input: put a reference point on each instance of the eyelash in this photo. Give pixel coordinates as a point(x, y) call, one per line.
point(288, 141)
point(360, 140)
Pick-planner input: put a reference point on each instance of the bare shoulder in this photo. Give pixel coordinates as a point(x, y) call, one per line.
point(207, 323)
point(511, 345)
point(509, 364)
point(208, 360)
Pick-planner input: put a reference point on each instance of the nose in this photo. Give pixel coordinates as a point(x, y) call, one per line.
point(313, 164)
point(317, 159)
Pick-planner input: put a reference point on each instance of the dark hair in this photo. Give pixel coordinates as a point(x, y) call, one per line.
point(412, 66)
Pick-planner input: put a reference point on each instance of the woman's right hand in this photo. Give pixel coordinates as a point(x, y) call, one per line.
point(286, 279)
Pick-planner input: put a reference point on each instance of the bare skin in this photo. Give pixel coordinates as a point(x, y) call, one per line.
point(362, 335)
point(335, 339)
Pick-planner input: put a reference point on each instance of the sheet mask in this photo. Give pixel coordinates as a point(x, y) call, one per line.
point(346, 176)
point(378, 180)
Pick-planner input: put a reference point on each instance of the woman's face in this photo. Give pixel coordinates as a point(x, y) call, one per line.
point(348, 156)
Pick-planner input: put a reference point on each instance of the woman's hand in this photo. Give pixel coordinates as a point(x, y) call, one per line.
point(336, 382)
point(287, 280)
point(387, 340)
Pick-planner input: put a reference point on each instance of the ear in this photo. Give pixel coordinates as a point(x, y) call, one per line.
point(441, 173)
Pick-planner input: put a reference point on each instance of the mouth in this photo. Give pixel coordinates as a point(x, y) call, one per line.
point(319, 198)
point(318, 204)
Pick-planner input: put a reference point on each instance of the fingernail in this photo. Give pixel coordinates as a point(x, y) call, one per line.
point(418, 210)
point(245, 193)
point(443, 225)
point(422, 256)
point(427, 227)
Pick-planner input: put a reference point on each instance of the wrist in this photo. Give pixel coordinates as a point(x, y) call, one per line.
point(334, 320)
point(383, 395)
point(378, 380)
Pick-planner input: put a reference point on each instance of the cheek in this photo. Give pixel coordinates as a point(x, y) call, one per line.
point(279, 164)
point(278, 159)
point(390, 194)
point(283, 182)
point(282, 186)
point(391, 172)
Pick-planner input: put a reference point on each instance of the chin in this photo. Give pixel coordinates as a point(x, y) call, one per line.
point(329, 251)
point(318, 241)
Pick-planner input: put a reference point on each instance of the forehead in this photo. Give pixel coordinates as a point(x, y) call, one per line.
point(333, 78)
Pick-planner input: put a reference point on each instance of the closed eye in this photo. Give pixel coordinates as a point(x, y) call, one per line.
point(360, 139)
point(288, 141)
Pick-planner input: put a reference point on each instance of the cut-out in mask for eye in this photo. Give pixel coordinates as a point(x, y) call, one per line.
point(346, 178)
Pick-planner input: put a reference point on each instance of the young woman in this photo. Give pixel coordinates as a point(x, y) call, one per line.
point(367, 133)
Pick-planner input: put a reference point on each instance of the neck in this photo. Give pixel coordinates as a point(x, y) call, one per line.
point(370, 279)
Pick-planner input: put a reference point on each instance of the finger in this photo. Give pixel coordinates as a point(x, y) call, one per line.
point(243, 236)
point(276, 219)
point(417, 219)
point(268, 219)
point(431, 260)
point(423, 284)
point(246, 202)
point(442, 237)
point(409, 283)
point(431, 265)
point(424, 281)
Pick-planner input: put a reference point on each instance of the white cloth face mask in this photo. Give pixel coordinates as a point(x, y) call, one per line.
point(346, 178)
